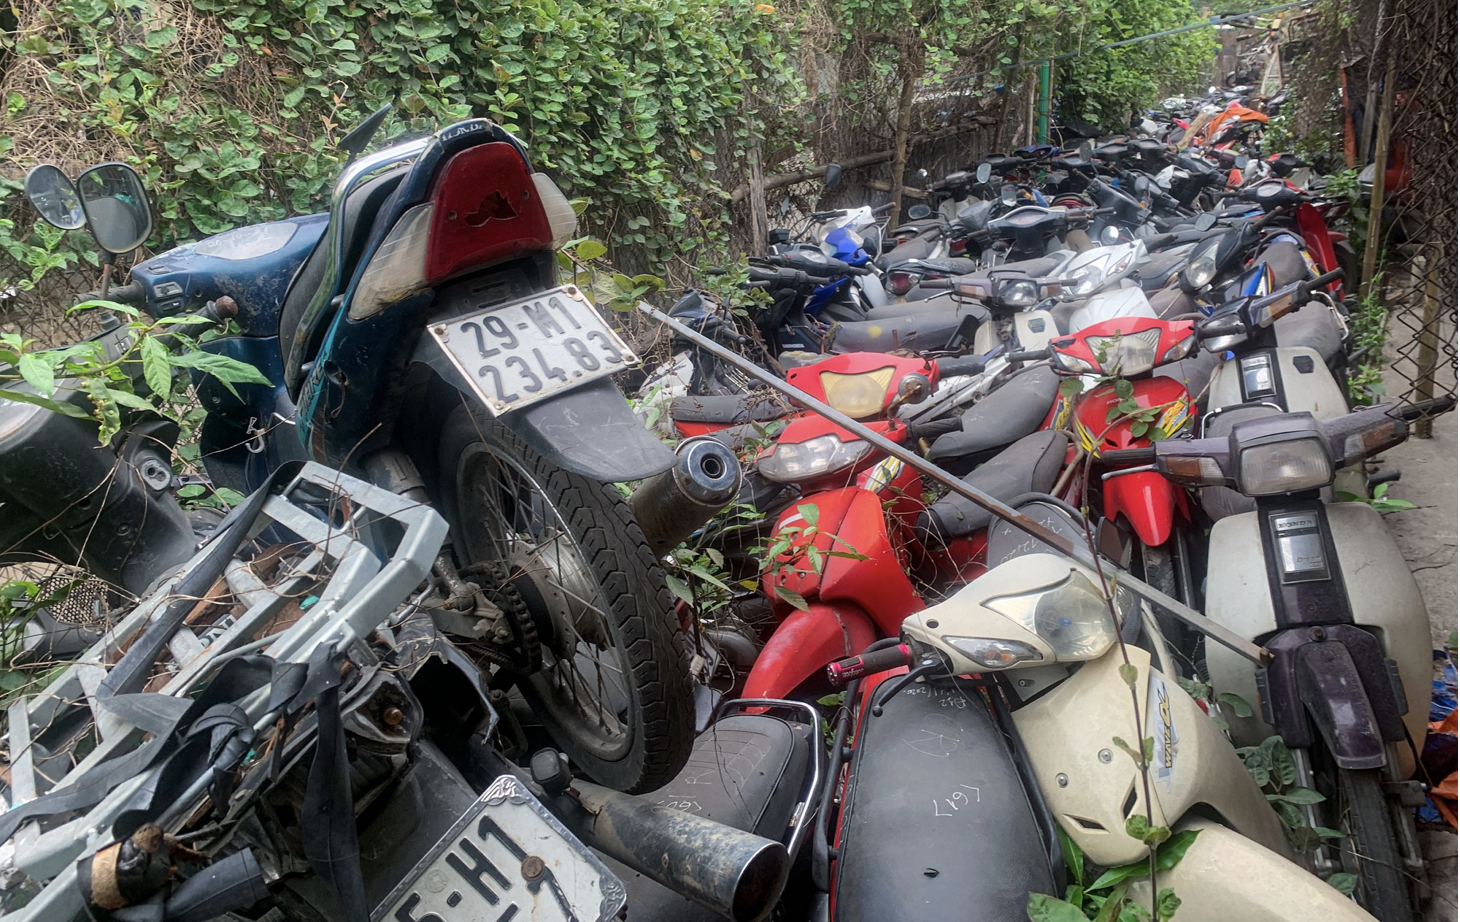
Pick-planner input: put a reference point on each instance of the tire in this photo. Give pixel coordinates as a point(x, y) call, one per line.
point(1357, 807)
point(1159, 570)
point(593, 587)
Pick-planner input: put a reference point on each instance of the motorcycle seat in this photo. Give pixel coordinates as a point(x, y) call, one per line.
point(1312, 327)
point(732, 409)
point(943, 303)
point(951, 265)
point(916, 248)
point(914, 333)
point(1286, 261)
point(1030, 465)
point(747, 771)
point(1002, 417)
point(1155, 271)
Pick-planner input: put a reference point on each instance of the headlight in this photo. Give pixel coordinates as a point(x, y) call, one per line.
point(1289, 466)
point(859, 395)
point(994, 654)
point(1087, 278)
point(1018, 293)
point(1202, 267)
point(1179, 351)
point(1072, 617)
point(1126, 354)
point(797, 461)
point(1073, 365)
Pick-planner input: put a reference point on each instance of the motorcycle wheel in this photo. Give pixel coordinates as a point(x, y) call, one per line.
point(1357, 807)
point(614, 690)
point(1158, 568)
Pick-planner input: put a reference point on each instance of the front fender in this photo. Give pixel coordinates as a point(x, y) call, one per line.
point(1225, 876)
point(589, 431)
point(804, 643)
point(1148, 501)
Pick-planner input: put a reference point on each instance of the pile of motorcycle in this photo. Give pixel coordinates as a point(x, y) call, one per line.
point(1142, 349)
point(1042, 525)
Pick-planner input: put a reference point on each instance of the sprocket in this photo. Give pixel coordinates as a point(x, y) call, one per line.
point(524, 654)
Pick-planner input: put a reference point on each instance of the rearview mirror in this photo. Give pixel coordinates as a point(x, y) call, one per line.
point(922, 176)
point(1086, 149)
point(54, 198)
point(362, 134)
point(833, 175)
point(116, 206)
point(1008, 195)
point(919, 211)
point(983, 172)
point(1241, 162)
point(1205, 221)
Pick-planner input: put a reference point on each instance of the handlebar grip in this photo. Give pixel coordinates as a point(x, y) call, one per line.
point(131, 293)
point(1422, 408)
point(1107, 210)
point(883, 209)
point(935, 283)
point(931, 429)
point(1327, 278)
point(1033, 355)
point(1128, 456)
point(855, 667)
point(961, 365)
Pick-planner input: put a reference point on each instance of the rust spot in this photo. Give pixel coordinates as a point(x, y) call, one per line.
point(532, 867)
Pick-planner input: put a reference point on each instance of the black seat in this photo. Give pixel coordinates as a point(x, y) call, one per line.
point(361, 209)
point(1030, 465)
point(1312, 327)
point(1004, 416)
point(734, 409)
point(746, 771)
point(943, 304)
point(916, 248)
point(1155, 271)
point(914, 333)
point(1286, 261)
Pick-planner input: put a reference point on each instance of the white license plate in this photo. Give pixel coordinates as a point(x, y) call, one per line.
point(507, 858)
point(517, 354)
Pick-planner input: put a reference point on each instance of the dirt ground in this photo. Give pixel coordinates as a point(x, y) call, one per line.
point(1427, 535)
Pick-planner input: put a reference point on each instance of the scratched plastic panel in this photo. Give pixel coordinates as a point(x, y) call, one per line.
point(937, 821)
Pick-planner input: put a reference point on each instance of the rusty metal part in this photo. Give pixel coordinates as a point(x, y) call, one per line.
point(737, 874)
point(532, 867)
point(669, 506)
point(1199, 622)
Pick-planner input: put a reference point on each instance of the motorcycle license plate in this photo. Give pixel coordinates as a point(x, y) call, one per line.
point(524, 352)
point(506, 858)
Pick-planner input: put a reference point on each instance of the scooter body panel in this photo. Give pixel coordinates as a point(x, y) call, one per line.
point(1225, 876)
point(1382, 595)
point(1148, 502)
point(1068, 732)
point(1108, 305)
point(804, 643)
point(1294, 378)
point(935, 817)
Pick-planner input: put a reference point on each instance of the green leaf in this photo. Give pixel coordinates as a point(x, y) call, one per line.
point(1044, 908)
point(1289, 814)
point(228, 497)
point(1074, 858)
point(1129, 673)
point(38, 373)
point(680, 588)
point(1139, 428)
point(1284, 768)
point(227, 370)
point(1344, 883)
point(1298, 795)
point(156, 369)
point(707, 576)
point(589, 248)
point(191, 491)
point(1071, 387)
point(129, 399)
point(55, 406)
point(793, 598)
point(1237, 703)
point(1123, 388)
point(810, 512)
point(1138, 827)
point(1167, 902)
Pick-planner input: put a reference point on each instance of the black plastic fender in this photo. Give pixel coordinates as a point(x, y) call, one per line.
point(1333, 694)
point(936, 821)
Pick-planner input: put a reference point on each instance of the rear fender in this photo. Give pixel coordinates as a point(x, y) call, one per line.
point(1148, 501)
point(804, 643)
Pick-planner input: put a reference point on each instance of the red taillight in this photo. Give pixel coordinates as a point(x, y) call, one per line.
point(487, 210)
point(900, 283)
point(958, 248)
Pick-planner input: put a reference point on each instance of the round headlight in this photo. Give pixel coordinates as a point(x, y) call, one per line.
point(1018, 293)
point(791, 462)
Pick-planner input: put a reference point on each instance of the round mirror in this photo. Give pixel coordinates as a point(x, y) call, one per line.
point(922, 176)
point(1085, 149)
point(983, 172)
point(1241, 163)
point(833, 175)
point(919, 211)
point(1142, 184)
point(116, 206)
point(1205, 221)
point(1111, 234)
point(54, 197)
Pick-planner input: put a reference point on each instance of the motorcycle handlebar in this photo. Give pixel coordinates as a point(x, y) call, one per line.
point(855, 667)
point(935, 283)
point(1128, 456)
point(131, 293)
point(958, 366)
point(1422, 408)
point(1033, 355)
point(883, 209)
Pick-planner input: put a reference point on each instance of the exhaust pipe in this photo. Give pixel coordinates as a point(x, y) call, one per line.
point(737, 874)
point(669, 506)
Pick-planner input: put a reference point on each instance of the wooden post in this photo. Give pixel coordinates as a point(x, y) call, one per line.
point(1429, 342)
point(1375, 238)
point(1371, 95)
point(912, 69)
point(759, 220)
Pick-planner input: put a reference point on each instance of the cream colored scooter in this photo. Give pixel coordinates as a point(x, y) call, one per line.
point(1037, 633)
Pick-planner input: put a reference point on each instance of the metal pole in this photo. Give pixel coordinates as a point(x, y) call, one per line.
point(1042, 133)
point(1198, 621)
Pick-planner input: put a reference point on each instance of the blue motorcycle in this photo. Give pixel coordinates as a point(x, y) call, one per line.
point(417, 335)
